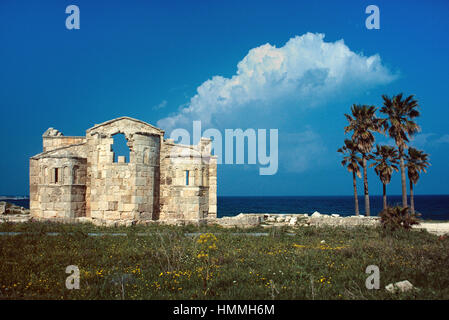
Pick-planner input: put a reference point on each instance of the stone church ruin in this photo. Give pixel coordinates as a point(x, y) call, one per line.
point(76, 177)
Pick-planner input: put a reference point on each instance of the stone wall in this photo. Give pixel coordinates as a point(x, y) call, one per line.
point(123, 190)
point(212, 210)
point(185, 181)
point(51, 143)
point(58, 186)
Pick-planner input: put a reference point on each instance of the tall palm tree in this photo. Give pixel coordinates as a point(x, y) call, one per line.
point(386, 159)
point(416, 162)
point(363, 123)
point(351, 161)
point(401, 127)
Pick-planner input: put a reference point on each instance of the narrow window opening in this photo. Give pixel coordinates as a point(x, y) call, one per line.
point(187, 177)
point(56, 175)
point(120, 148)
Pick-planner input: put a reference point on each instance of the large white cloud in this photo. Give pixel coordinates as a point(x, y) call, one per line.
point(306, 68)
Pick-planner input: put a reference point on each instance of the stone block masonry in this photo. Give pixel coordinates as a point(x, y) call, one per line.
point(77, 176)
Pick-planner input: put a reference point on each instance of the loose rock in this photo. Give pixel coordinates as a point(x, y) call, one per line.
point(401, 286)
point(280, 219)
point(12, 209)
point(316, 214)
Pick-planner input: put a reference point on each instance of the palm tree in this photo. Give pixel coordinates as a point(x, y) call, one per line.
point(401, 127)
point(362, 124)
point(416, 162)
point(351, 161)
point(386, 160)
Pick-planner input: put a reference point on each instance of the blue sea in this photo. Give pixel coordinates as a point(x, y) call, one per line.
point(433, 207)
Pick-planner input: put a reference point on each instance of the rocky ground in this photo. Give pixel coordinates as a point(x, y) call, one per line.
point(9, 209)
point(318, 219)
point(12, 213)
point(292, 220)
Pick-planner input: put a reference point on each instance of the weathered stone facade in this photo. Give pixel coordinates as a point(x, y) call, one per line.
point(78, 177)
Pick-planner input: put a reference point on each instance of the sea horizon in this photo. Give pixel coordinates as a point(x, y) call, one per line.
point(431, 206)
point(263, 196)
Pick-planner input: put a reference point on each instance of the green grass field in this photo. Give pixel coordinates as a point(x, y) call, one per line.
point(167, 263)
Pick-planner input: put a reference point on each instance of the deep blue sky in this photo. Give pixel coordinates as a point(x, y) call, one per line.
point(131, 56)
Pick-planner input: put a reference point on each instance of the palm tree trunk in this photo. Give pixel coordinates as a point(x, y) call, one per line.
point(365, 186)
point(356, 200)
point(385, 195)
point(403, 180)
point(412, 200)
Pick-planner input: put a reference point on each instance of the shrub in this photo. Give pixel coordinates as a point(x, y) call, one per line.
point(394, 218)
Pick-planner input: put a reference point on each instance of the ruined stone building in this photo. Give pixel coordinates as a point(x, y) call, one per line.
point(80, 176)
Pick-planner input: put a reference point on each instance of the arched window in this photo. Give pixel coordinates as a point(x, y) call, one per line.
point(120, 147)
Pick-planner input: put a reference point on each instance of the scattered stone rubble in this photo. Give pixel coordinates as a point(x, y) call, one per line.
point(401, 286)
point(13, 213)
point(292, 220)
point(243, 220)
point(7, 208)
